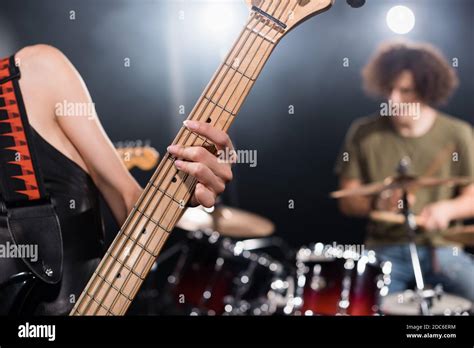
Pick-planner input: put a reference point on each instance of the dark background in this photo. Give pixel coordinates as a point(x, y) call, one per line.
point(172, 59)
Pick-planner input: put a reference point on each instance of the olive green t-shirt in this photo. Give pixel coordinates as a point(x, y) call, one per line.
point(373, 149)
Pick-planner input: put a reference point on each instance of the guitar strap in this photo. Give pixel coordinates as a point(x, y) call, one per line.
point(26, 208)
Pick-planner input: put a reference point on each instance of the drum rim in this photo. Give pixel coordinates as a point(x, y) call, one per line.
point(319, 252)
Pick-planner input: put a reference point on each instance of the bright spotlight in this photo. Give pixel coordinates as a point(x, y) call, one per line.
point(217, 19)
point(400, 19)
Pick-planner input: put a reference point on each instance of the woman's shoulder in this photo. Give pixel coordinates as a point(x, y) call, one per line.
point(47, 63)
point(40, 53)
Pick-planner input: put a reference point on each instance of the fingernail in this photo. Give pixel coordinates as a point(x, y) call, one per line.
point(178, 164)
point(190, 124)
point(171, 148)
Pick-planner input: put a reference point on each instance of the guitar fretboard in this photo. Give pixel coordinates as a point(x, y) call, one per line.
point(133, 252)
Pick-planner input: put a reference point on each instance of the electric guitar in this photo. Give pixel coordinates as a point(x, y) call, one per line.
point(23, 291)
point(117, 279)
point(142, 157)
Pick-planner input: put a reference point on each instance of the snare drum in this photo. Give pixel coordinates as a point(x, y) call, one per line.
point(331, 281)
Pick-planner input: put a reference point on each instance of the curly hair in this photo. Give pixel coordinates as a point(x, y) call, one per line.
point(435, 79)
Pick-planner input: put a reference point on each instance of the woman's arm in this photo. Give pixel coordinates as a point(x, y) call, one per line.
point(86, 134)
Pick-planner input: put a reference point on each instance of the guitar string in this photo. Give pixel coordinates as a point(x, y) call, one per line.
point(148, 220)
point(137, 240)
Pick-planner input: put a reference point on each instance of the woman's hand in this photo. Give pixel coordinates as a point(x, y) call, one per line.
point(211, 173)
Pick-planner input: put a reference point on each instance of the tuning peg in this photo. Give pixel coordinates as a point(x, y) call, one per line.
point(356, 3)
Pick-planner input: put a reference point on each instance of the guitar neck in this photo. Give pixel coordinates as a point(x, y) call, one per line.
point(131, 255)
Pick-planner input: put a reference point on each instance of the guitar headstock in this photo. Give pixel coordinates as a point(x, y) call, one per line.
point(287, 14)
point(143, 157)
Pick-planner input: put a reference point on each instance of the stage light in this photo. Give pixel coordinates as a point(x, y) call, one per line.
point(400, 19)
point(217, 19)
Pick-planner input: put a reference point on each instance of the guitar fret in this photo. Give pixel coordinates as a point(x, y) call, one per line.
point(223, 95)
point(176, 184)
point(150, 243)
point(125, 266)
point(77, 312)
point(136, 243)
point(196, 136)
point(127, 283)
point(167, 194)
point(113, 299)
point(118, 303)
point(207, 112)
point(151, 220)
point(219, 106)
point(259, 34)
point(113, 286)
point(239, 72)
point(142, 227)
point(190, 139)
point(92, 298)
point(98, 304)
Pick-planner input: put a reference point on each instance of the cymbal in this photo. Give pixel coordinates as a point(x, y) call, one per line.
point(194, 219)
point(400, 182)
point(229, 222)
point(237, 223)
point(460, 234)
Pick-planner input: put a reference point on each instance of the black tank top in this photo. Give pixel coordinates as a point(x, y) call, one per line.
point(76, 200)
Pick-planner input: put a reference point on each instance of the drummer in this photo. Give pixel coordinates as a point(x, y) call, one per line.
point(413, 79)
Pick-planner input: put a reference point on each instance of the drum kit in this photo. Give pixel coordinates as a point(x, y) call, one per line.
point(230, 264)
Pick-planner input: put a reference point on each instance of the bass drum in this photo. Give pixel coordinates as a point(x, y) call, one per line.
point(331, 281)
point(217, 276)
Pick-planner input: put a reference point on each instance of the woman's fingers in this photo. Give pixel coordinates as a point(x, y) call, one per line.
point(201, 155)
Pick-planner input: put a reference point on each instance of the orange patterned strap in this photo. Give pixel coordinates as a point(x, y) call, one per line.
point(20, 178)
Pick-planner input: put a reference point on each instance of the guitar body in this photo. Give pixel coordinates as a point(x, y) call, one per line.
point(20, 294)
point(21, 287)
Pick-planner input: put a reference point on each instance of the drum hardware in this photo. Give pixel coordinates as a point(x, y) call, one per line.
point(440, 303)
point(410, 225)
point(405, 183)
point(346, 287)
point(317, 282)
point(281, 296)
point(231, 277)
